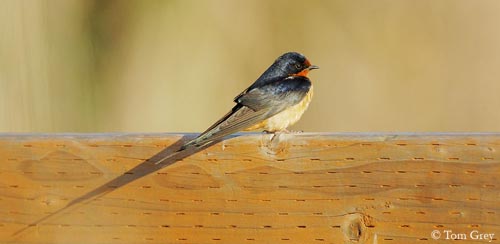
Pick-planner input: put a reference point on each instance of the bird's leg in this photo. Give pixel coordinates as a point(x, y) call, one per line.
point(276, 134)
point(271, 132)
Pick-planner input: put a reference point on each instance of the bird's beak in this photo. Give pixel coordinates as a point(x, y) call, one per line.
point(313, 67)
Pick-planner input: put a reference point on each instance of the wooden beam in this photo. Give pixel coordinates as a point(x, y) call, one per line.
point(302, 188)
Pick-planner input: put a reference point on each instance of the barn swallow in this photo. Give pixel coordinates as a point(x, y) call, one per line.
point(276, 100)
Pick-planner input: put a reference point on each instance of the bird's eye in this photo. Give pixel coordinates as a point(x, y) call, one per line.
point(298, 66)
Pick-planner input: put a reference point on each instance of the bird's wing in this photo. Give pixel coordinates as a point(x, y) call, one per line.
point(254, 106)
point(278, 95)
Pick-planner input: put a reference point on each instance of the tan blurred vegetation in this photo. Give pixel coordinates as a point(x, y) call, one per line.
point(169, 66)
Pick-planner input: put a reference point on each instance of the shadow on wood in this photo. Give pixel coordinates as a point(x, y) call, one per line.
point(305, 188)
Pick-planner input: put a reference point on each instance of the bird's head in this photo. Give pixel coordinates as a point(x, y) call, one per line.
point(288, 64)
point(294, 64)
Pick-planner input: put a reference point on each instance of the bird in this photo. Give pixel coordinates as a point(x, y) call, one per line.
point(275, 101)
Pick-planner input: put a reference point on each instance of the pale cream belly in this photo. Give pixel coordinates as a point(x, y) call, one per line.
point(286, 118)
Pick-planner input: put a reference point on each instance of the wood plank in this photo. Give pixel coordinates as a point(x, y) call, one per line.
point(302, 188)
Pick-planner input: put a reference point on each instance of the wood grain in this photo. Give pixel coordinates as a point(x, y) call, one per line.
point(303, 188)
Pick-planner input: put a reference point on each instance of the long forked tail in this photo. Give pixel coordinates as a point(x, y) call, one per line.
point(239, 118)
point(204, 137)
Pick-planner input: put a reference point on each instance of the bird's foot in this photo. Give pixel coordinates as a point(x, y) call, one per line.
point(285, 131)
point(276, 134)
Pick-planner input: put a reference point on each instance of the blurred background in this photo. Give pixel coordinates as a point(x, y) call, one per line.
point(175, 66)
